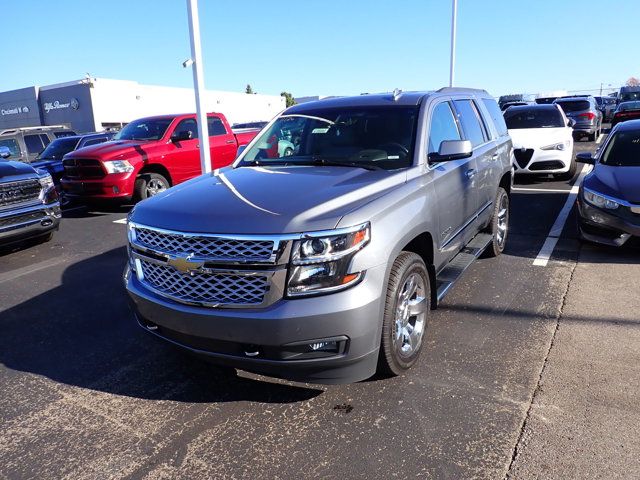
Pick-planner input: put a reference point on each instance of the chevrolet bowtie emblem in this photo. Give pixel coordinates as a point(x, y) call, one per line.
point(185, 264)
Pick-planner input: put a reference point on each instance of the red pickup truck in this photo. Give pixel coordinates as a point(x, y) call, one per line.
point(148, 156)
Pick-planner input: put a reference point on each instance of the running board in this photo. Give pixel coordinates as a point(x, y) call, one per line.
point(450, 274)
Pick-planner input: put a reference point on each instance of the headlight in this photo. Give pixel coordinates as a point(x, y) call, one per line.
point(46, 182)
point(48, 191)
point(556, 146)
point(320, 264)
point(599, 201)
point(118, 166)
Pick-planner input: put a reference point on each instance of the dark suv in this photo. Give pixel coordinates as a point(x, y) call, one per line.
point(26, 143)
point(584, 111)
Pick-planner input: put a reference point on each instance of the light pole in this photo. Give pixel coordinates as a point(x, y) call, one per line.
point(454, 15)
point(198, 84)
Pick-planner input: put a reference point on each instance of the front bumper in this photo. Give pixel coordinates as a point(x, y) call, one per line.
point(118, 186)
point(233, 336)
point(28, 222)
point(545, 162)
point(599, 226)
point(585, 128)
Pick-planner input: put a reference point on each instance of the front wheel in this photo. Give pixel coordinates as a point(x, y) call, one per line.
point(499, 225)
point(150, 184)
point(407, 304)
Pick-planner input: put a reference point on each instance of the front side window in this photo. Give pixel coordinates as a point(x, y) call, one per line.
point(443, 127)
point(623, 150)
point(470, 121)
point(144, 129)
point(12, 145)
point(95, 141)
point(33, 144)
point(188, 125)
point(533, 118)
point(59, 148)
point(371, 137)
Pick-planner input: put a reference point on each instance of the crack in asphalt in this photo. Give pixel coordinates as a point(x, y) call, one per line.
point(523, 429)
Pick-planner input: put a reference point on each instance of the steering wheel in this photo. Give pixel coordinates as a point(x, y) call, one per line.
point(397, 145)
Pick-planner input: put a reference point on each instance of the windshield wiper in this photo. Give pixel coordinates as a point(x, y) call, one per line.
point(310, 161)
point(344, 163)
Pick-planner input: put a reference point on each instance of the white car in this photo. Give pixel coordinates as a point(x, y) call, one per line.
point(542, 140)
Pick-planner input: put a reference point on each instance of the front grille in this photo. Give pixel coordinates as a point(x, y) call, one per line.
point(205, 287)
point(83, 168)
point(23, 191)
point(547, 165)
point(8, 222)
point(206, 247)
point(523, 156)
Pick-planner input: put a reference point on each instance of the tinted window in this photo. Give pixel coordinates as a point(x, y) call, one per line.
point(64, 133)
point(59, 148)
point(33, 143)
point(623, 150)
point(627, 96)
point(443, 127)
point(45, 139)
point(496, 115)
point(188, 125)
point(533, 118)
point(216, 127)
point(574, 106)
point(12, 145)
point(470, 121)
point(95, 141)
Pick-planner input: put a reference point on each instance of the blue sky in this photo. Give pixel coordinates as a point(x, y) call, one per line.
point(327, 47)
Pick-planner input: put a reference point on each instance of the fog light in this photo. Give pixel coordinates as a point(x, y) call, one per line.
point(324, 347)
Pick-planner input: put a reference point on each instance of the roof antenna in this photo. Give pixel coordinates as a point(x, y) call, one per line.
point(396, 94)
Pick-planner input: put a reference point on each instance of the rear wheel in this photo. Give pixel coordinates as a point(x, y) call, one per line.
point(407, 306)
point(499, 225)
point(150, 184)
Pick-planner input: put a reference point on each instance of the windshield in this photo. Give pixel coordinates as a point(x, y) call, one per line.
point(629, 106)
point(145, 129)
point(574, 106)
point(627, 96)
point(533, 118)
point(623, 150)
point(59, 148)
point(371, 137)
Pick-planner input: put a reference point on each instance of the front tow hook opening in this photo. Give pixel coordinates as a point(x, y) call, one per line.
point(252, 350)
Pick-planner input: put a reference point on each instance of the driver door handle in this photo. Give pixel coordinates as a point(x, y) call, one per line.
point(470, 173)
point(495, 156)
point(230, 141)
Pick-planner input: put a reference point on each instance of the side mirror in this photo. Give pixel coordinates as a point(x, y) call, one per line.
point(585, 157)
point(241, 149)
point(452, 150)
point(181, 136)
point(571, 123)
point(5, 152)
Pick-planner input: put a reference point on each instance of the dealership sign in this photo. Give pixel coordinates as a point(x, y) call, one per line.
point(14, 111)
point(58, 105)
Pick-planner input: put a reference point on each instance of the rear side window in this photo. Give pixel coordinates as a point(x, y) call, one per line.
point(443, 127)
point(12, 145)
point(216, 127)
point(496, 115)
point(33, 143)
point(470, 121)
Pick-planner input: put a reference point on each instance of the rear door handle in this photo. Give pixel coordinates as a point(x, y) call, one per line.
point(470, 173)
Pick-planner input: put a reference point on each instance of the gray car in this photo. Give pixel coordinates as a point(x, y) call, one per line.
point(324, 265)
point(583, 110)
point(26, 143)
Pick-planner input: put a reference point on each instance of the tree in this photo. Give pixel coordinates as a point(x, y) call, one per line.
point(288, 99)
point(633, 82)
point(248, 90)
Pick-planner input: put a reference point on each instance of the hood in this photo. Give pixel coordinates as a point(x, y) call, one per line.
point(617, 182)
point(257, 200)
point(538, 137)
point(9, 169)
point(112, 149)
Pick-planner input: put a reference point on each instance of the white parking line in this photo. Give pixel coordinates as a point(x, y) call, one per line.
point(551, 190)
point(122, 221)
point(600, 137)
point(556, 230)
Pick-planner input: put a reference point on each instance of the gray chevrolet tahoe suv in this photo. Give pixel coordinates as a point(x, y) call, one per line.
point(323, 265)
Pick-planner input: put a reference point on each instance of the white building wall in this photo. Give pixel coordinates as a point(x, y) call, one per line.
point(121, 101)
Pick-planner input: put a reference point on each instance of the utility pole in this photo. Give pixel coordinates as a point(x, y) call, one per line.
point(198, 84)
point(454, 15)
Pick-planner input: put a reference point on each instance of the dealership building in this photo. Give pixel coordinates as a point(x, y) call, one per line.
point(95, 104)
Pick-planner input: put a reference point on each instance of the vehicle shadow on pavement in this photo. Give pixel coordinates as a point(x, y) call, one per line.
point(82, 333)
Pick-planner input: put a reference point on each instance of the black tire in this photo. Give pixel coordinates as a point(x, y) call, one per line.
point(499, 225)
point(407, 266)
point(288, 152)
point(592, 136)
point(143, 187)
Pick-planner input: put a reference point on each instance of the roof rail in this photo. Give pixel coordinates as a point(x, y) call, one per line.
point(460, 90)
point(7, 131)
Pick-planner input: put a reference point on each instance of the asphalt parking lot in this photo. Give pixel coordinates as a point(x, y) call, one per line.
point(505, 387)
